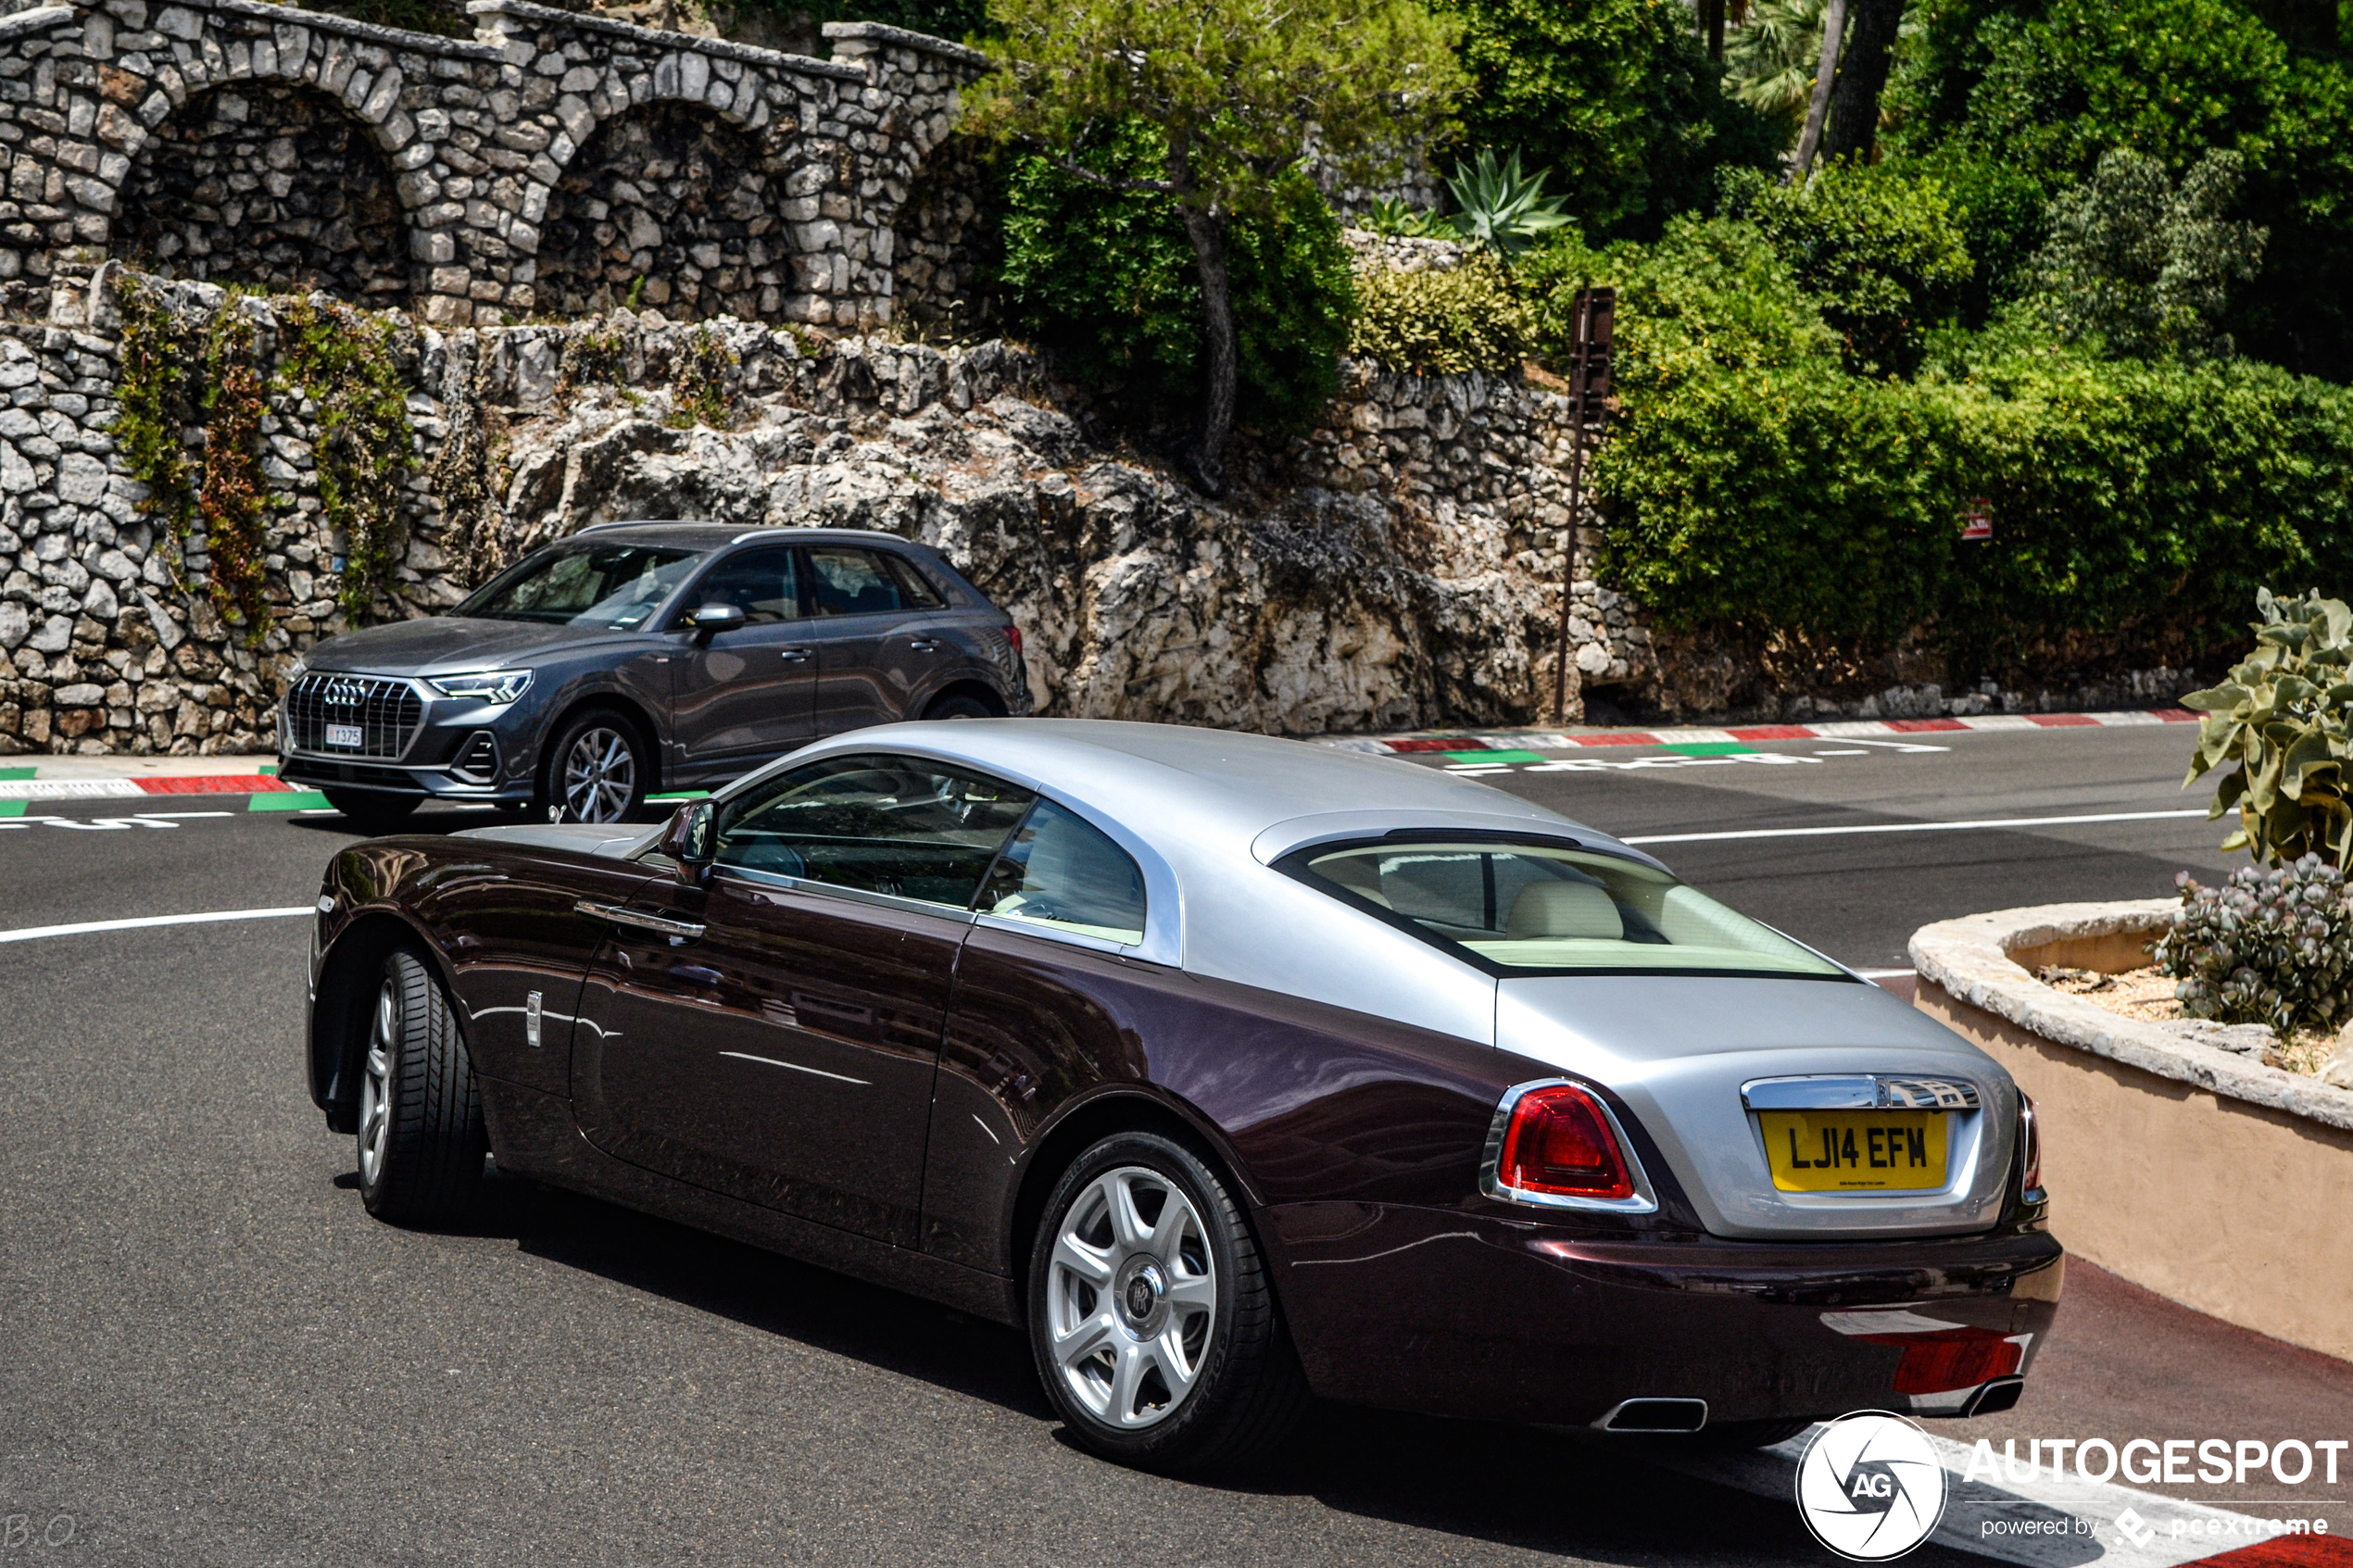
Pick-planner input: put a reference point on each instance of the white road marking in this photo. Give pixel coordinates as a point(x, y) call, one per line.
point(1988, 825)
point(33, 933)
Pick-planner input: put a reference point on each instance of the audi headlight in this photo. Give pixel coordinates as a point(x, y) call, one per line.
point(486, 686)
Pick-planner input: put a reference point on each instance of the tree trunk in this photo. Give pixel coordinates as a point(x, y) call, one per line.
point(1825, 73)
point(1711, 15)
point(1207, 230)
point(1854, 121)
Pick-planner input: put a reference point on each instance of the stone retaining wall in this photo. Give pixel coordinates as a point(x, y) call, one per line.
point(2174, 1156)
point(131, 129)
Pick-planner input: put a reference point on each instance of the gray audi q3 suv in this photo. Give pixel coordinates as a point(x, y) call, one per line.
point(637, 658)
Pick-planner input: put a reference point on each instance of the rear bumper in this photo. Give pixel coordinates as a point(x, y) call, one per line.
point(1457, 1314)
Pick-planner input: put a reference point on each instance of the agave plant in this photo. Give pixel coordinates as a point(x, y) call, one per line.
point(1499, 208)
point(1391, 215)
point(2283, 717)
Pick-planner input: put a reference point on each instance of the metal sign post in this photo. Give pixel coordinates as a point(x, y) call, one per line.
point(1588, 389)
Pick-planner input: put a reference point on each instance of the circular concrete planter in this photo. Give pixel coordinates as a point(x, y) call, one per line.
point(2174, 1157)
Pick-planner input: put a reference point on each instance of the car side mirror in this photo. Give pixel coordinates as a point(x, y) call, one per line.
point(691, 839)
point(715, 617)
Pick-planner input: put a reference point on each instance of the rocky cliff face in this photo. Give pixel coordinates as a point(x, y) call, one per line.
point(1362, 589)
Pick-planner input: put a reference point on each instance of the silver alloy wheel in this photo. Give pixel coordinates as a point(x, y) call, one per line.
point(375, 1085)
point(1132, 1299)
point(600, 775)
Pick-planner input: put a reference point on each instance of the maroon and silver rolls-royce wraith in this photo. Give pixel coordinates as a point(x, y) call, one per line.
point(1234, 1070)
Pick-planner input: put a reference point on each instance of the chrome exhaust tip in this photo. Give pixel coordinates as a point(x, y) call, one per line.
point(1654, 1415)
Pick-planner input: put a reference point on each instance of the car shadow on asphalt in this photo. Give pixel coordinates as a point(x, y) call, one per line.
point(1511, 1486)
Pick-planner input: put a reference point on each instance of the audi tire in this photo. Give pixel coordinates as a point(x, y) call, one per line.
point(599, 770)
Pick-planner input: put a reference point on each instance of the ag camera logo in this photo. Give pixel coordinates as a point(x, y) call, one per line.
point(1870, 1486)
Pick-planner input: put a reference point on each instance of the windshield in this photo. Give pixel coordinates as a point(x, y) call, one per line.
point(616, 585)
point(1524, 907)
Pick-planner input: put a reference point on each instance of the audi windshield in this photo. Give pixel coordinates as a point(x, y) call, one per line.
point(606, 585)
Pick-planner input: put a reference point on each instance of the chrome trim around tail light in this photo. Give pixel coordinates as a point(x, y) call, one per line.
point(1491, 1181)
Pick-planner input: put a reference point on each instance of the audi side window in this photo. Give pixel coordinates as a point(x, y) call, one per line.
point(1064, 873)
point(915, 588)
point(852, 581)
point(763, 584)
point(899, 825)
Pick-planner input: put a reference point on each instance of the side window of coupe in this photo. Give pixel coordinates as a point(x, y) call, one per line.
point(1062, 872)
point(762, 583)
point(899, 825)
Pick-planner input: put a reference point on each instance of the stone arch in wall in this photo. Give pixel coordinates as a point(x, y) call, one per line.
point(675, 194)
point(267, 183)
point(947, 243)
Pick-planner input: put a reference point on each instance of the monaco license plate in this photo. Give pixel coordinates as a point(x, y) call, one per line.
point(1855, 1150)
point(346, 734)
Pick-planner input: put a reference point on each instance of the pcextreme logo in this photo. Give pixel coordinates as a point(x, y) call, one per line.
point(1870, 1486)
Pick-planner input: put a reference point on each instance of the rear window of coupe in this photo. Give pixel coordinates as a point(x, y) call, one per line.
point(1528, 909)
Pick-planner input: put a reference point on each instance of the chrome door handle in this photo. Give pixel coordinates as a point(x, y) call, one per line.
point(928, 645)
point(678, 930)
point(794, 656)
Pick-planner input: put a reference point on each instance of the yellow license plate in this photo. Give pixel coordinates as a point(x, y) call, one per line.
point(1855, 1150)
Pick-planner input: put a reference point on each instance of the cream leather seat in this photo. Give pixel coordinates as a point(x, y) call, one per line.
point(1565, 908)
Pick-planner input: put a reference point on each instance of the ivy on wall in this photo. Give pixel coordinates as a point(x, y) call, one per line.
point(233, 502)
point(343, 362)
point(153, 409)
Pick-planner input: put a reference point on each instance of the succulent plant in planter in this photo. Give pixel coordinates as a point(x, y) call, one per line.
point(2282, 716)
point(2267, 946)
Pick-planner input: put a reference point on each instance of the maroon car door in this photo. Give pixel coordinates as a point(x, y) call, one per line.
point(773, 1034)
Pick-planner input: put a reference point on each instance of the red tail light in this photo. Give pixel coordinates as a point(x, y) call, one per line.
point(1559, 1144)
point(1013, 636)
point(2030, 1146)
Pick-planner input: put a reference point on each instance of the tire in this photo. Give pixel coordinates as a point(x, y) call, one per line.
point(1206, 1377)
point(599, 770)
point(371, 811)
point(421, 1140)
point(959, 705)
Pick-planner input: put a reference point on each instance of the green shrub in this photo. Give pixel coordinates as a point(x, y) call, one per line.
point(1876, 246)
point(1105, 283)
point(1751, 484)
point(1434, 323)
point(2269, 947)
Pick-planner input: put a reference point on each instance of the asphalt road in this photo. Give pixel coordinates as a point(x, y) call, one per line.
point(208, 1354)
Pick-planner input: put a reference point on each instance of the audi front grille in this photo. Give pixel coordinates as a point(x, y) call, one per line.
point(327, 713)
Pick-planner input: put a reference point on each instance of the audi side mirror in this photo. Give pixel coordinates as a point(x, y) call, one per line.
point(691, 839)
point(715, 617)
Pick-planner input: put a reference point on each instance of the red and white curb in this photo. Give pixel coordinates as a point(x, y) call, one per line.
point(1847, 729)
point(139, 788)
point(2044, 1524)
